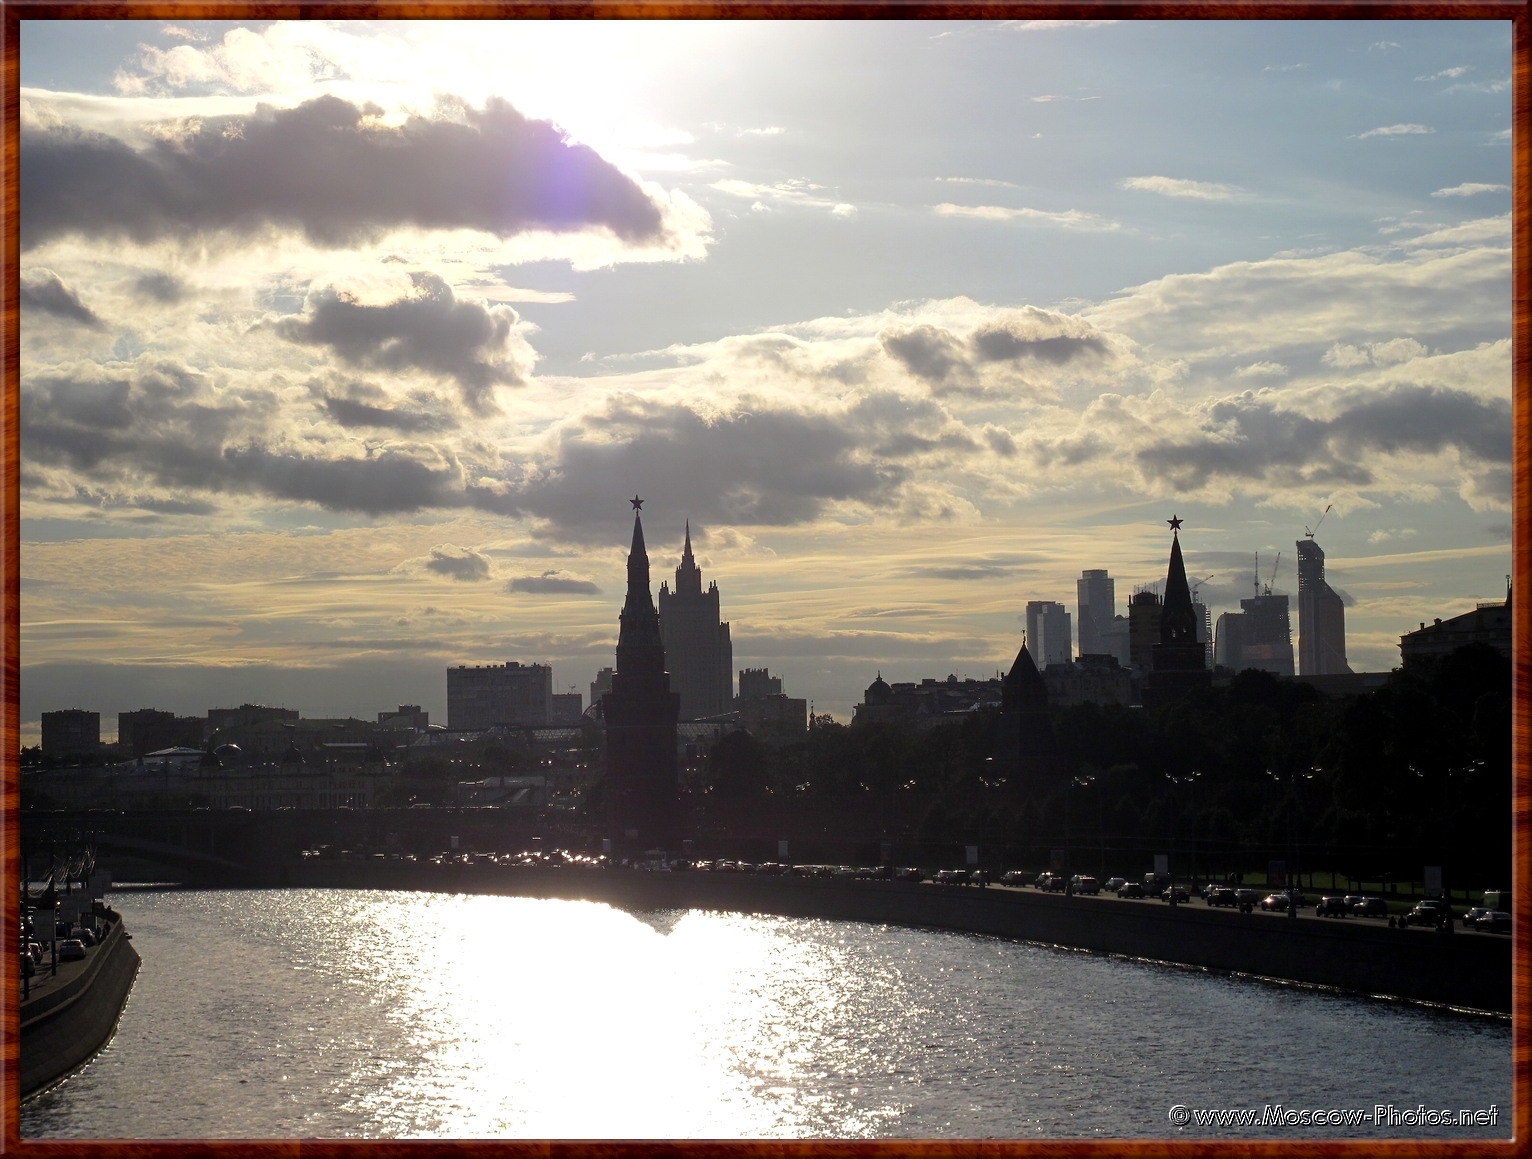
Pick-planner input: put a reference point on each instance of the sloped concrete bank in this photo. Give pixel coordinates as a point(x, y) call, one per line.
point(1463, 970)
point(66, 1025)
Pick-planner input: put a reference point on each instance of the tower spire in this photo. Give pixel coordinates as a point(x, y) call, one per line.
point(640, 619)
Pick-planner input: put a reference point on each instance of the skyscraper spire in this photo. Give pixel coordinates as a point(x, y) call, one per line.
point(688, 575)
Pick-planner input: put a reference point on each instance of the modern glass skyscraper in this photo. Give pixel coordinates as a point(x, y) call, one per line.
point(1321, 616)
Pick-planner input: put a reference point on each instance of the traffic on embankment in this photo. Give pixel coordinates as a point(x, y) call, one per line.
point(1467, 970)
point(71, 1005)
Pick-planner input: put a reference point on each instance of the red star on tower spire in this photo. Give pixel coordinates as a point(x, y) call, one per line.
point(637, 502)
point(1175, 524)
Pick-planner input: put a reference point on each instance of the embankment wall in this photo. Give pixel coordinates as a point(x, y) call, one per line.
point(64, 1027)
point(1466, 970)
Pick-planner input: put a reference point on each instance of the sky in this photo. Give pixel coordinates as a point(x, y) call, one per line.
point(344, 345)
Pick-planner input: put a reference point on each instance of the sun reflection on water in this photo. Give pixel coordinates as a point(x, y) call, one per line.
point(530, 1016)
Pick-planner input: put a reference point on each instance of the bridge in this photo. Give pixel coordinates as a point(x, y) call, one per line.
point(238, 847)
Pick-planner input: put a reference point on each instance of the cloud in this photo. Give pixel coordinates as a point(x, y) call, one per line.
point(458, 563)
point(1396, 350)
point(937, 356)
point(1068, 219)
point(553, 583)
point(44, 290)
point(351, 412)
point(980, 181)
point(1262, 370)
point(1179, 187)
point(1396, 131)
point(160, 287)
point(333, 171)
point(794, 191)
point(1450, 73)
point(1469, 188)
point(477, 346)
point(1256, 437)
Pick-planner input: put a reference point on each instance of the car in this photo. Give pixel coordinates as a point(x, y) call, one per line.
point(1087, 885)
point(1426, 913)
point(952, 876)
point(1370, 907)
point(84, 935)
point(1050, 882)
point(1247, 899)
point(1474, 915)
point(1331, 906)
point(1220, 895)
point(909, 873)
point(1113, 884)
point(1495, 922)
point(1282, 899)
point(71, 950)
point(28, 967)
point(34, 950)
point(1130, 889)
point(845, 871)
point(724, 865)
point(1014, 877)
point(770, 868)
point(1175, 894)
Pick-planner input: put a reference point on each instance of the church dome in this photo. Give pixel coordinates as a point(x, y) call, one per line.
point(878, 692)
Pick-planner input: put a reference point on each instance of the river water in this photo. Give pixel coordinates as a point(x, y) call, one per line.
point(335, 1013)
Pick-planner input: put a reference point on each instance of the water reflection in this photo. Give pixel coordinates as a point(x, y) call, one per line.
point(339, 1013)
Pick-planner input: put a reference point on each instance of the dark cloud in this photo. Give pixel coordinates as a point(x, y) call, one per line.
point(44, 290)
point(957, 573)
point(1000, 344)
point(928, 352)
point(348, 412)
point(551, 583)
point(1248, 437)
point(942, 359)
point(430, 330)
point(156, 425)
point(756, 467)
point(160, 287)
point(458, 563)
point(329, 169)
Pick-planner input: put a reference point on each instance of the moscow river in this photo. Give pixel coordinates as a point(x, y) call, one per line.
point(337, 1013)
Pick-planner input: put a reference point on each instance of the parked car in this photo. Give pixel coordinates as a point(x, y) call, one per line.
point(1370, 907)
point(1130, 889)
point(1015, 877)
point(1474, 915)
point(1220, 895)
point(71, 950)
point(724, 865)
point(951, 876)
point(1175, 893)
point(1495, 922)
point(1247, 899)
point(1044, 880)
point(845, 871)
point(1331, 906)
point(1086, 884)
point(1113, 884)
point(909, 873)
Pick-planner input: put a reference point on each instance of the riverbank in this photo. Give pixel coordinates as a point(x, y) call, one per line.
point(1468, 971)
point(69, 1017)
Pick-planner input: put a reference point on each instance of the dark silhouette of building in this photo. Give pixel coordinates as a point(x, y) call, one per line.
point(1487, 624)
point(221, 718)
point(641, 713)
point(1258, 636)
point(1143, 630)
point(1027, 754)
point(1321, 616)
point(1179, 661)
point(489, 694)
point(1048, 633)
point(1092, 678)
point(70, 733)
point(148, 730)
point(763, 706)
point(927, 704)
point(568, 707)
point(406, 716)
point(698, 652)
point(1100, 630)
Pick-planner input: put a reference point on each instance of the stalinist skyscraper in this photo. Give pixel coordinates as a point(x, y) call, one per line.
point(697, 647)
point(640, 713)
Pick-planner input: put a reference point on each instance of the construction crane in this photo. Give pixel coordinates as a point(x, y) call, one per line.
point(1198, 583)
point(1326, 511)
point(1279, 564)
